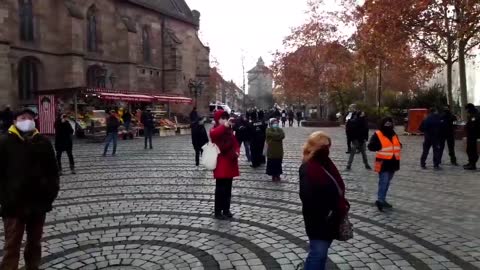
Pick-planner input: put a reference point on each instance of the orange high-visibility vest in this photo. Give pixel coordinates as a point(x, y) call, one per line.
point(390, 149)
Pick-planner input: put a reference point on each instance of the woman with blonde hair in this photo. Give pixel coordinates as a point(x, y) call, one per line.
point(323, 202)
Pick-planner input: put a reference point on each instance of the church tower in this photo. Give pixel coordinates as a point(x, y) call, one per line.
point(260, 85)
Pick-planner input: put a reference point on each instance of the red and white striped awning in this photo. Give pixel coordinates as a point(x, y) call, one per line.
point(174, 99)
point(126, 97)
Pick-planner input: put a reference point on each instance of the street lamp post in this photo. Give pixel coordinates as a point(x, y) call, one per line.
point(196, 88)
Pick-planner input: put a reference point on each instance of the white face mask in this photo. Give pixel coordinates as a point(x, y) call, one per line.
point(25, 125)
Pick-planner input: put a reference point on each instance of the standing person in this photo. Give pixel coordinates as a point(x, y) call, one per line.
point(242, 134)
point(227, 163)
point(127, 119)
point(29, 183)
point(291, 117)
point(473, 133)
point(199, 138)
point(323, 206)
point(358, 126)
point(194, 115)
point(352, 109)
point(258, 129)
point(387, 161)
point(284, 118)
point(148, 122)
point(299, 117)
point(112, 133)
point(448, 134)
point(274, 138)
point(276, 114)
point(7, 119)
point(64, 142)
point(431, 127)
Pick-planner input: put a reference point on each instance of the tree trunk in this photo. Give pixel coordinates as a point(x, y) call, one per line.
point(463, 77)
point(449, 63)
point(365, 85)
point(379, 84)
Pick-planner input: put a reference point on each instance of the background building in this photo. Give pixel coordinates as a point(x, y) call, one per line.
point(227, 92)
point(138, 46)
point(260, 85)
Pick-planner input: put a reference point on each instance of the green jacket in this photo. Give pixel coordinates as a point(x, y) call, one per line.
point(275, 138)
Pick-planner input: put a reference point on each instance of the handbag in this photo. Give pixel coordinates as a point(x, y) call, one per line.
point(345, 230)
point(210, 156)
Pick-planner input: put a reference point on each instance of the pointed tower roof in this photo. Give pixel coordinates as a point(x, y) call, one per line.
point(260, 67)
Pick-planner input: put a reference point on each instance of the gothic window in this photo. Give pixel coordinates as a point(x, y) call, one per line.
point(27, 78)
point(26, 20)
point(146, 44)
point(92, 34)
point(96, 77)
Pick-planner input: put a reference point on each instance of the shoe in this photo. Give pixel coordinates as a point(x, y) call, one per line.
point(368, 167)
point(348, 168)
point(348, 152)
point(424, 167)
point(387, 205)
point(470, 167)
point(437, 168)
point(73, 171)
point(104, 155)
point(379, 205)
point(227, 214)
point(220, 217)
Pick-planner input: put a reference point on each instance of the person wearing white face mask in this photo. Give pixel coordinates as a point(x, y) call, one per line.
point(29, 184)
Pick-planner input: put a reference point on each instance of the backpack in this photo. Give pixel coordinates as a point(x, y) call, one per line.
point(210, 155)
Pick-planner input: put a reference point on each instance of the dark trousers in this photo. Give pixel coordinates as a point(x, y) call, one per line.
point(349, 143)
point(70, 158)
point(111, 138)
point(358, 146)
point(198, 154)
point(290, 122)
point(223, 195)
point(148, 137)
point(14, 230)
point(472, 151)
point(436, 145)
point(450, 141)
point(257, 153)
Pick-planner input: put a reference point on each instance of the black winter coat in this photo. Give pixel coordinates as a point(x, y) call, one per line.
point(199, 136)
point(29, 181)
point(112, 124)
point(357, 127)
point(63, 136)
point(320, 201)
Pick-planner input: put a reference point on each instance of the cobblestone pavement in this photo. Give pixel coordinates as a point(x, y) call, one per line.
point(151, 209)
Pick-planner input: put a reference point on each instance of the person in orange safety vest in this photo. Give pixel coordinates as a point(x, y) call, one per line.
point(387, 161)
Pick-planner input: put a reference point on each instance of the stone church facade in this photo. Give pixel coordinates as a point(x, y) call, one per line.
point(260, 85)
point(139, 46)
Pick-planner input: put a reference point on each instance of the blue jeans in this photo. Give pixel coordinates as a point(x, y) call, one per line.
point(148, 136)
point(317, 257)
point(384, 179)
point(111, 138)
point(247, 151)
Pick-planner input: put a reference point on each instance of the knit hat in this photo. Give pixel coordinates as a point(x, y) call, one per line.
point(24, 111)
point(219, 114)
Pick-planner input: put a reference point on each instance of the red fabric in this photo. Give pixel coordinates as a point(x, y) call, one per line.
point(315, 171)
point(218, 114)
point(227, 162)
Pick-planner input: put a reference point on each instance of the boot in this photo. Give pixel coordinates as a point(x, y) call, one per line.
point(227, 214)
point(379, 205)
point(470, 167)
point(73, 171)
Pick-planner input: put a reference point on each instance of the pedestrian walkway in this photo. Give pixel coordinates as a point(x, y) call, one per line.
point(152, 209)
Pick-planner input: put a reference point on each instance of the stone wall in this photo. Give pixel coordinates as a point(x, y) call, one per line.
point(61, 51)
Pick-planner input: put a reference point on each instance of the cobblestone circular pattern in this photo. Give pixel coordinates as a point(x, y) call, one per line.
point(152, 209)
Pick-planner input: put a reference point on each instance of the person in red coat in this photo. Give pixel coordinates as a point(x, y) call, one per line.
point(227, 163)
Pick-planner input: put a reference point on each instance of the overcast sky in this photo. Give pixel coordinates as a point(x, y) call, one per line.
point(254, 27)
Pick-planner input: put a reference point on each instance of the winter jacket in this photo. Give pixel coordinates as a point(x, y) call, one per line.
point(432, 127)
point(472, 128)
point(375, 145)
point(63, 135)
point(199, 136)
point(242, 131)
point(112, 124)
point(227, 162)
point(322, 206)
point(274, 140)
point(148, 120)
point(357, 127)
point(29, 181)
